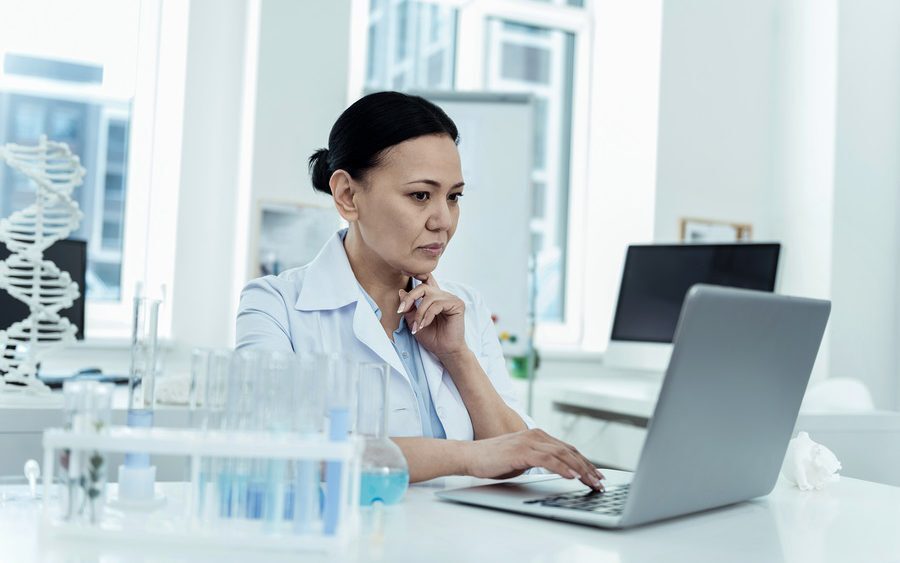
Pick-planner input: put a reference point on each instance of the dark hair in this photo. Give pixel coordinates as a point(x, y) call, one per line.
point(372, 124)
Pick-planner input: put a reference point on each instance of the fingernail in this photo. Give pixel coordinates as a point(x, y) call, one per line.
point(415, 326)
point(400, 310)
point(574, 475)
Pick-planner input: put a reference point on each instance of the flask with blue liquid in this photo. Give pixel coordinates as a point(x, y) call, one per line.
point(385, 473)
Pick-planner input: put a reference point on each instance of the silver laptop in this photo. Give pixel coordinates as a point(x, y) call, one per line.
point(739, 368)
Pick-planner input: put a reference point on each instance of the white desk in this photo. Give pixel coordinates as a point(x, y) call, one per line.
point(867, 442)
point(615, 395)
point(850, 521)
point(22, 423)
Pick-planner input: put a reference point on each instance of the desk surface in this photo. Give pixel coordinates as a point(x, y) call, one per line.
point(850, 521)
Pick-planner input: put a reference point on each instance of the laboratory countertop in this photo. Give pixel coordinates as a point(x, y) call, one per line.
point(851, 520)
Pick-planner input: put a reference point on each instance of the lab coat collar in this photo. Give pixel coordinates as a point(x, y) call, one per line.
point(329, 282)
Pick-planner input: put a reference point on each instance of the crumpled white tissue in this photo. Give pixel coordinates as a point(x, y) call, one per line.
point(809, 465)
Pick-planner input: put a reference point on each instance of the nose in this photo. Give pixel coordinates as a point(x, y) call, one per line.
point(441, 217)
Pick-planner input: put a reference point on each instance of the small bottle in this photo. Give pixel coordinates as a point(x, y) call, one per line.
point(385, 473)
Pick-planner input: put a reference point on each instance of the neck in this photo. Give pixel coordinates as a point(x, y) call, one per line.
point(380, 280)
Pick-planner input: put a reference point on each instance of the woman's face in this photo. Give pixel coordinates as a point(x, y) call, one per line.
point(409, 207)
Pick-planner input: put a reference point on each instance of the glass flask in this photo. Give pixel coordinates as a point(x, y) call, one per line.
point(385, 474)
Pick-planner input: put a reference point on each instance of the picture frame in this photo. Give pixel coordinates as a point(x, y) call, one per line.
point(694, 230)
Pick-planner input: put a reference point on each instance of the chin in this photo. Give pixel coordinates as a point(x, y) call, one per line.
point(421, 267)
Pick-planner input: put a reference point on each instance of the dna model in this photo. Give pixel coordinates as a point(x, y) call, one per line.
point(54, 172)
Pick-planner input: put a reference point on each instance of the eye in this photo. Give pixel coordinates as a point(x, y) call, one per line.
point(456, 196)
point(419, 196)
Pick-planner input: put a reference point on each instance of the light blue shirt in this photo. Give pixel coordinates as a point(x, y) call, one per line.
point(408, 349)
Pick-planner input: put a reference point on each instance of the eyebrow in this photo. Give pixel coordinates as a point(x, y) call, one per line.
point(435, 183)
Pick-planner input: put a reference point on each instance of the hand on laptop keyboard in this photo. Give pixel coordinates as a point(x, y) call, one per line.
point(512, 454)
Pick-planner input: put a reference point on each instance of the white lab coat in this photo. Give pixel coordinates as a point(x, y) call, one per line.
point(320, 309)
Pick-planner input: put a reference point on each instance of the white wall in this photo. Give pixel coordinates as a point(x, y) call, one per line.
point(716, 114)
point(622, 158)
point(266, 79)
point(865, 334)
point(803, 151)
point(212, 128)
point(301, 88)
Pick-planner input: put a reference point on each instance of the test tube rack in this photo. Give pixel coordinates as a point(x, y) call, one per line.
point(179, 521)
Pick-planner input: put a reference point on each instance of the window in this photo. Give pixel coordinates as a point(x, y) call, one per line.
point(87, 74)
point(522, 46)
point(411, 45)
point(538, 60)
point(75, 85)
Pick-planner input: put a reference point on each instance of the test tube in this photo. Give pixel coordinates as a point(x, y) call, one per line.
point(136, 476)
point(309, 415)
point(200, 364)
point(142, 373)
point(98, 403)
point(87, 406)
point(241, 415)
point(340, 377)
point(70, 460)
point(277, 406)
point(214, 395)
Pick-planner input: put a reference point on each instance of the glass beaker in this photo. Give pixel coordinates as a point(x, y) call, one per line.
point(385, 473)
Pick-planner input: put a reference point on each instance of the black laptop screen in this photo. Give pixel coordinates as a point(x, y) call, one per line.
point(657, 277)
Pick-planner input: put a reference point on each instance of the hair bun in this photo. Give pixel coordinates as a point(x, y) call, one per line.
point(320, 171)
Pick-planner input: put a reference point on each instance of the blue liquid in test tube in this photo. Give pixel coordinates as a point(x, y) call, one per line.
point(339, 427)
point(139, 418)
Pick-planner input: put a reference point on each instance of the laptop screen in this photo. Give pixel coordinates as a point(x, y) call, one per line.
point(657, 277)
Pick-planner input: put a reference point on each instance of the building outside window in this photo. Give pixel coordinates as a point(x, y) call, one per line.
point(411, 45)
point(72, 78)
point(525, 46)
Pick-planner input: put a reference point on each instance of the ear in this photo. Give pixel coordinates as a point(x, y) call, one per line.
point(343, 190)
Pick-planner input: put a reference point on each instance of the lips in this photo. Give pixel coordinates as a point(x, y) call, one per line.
point(432, 249)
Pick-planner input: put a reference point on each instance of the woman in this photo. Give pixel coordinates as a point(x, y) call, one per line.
point(393, 170)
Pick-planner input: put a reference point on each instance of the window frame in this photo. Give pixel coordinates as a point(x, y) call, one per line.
point(470, 72)
point(154, 138)
point(153, 164)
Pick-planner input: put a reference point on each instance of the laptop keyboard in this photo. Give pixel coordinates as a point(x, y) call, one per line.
point(610, 502)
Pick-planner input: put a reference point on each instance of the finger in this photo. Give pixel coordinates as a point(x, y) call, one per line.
point(542, 437)
point(585, 471)
point(587, 462)
point(427, 311)
point(429, 279)
point(591, 474)
point(446, 306)
point(550, 462)
point(407, 298)
point(421, 277)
